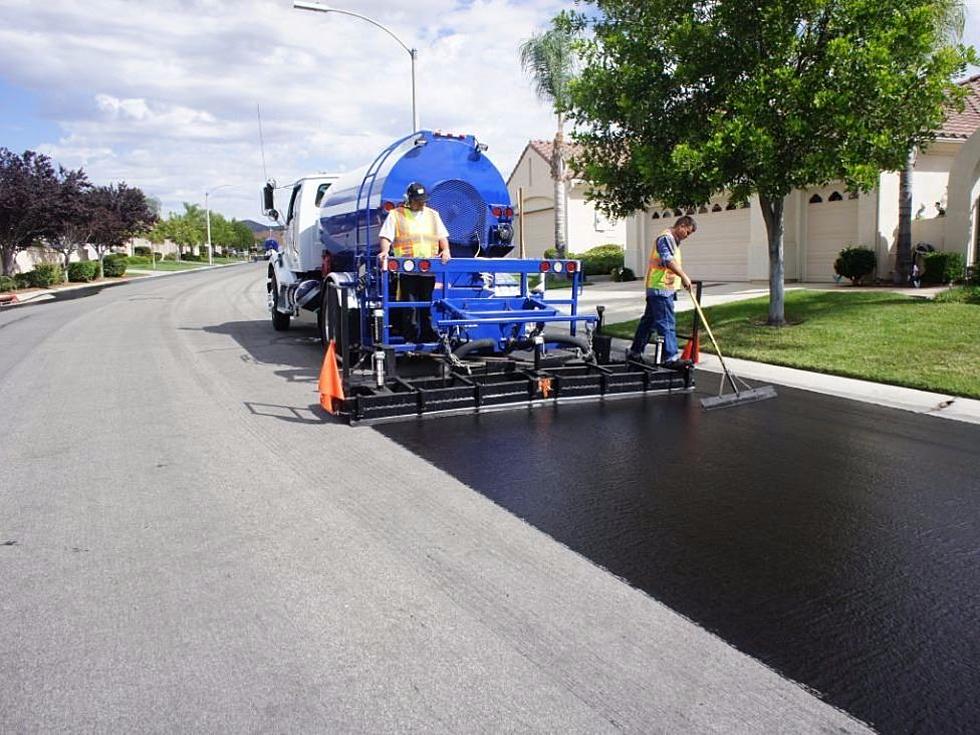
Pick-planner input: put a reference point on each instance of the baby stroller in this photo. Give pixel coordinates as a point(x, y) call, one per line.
point(919, 262)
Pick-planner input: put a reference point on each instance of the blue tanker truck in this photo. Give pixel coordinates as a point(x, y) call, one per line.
point(499, 341)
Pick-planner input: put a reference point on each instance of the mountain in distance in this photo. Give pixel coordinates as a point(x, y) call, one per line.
point(257, 227)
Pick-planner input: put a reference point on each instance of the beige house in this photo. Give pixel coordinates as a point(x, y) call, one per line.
point(731, 242)
point(586, 227)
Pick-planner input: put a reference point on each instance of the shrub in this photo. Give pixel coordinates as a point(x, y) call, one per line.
point(157, 256)
point(601, 260)
point(22, 280)
point(597, 261)
point(138, 261)
point(7, 283)
point(943, 267)
point(114, 265)
point(169, 256)
point(141, 251)
point(83, 271)
point(190, 257)
point(46, 275)
point(855, 263)
point(623, 274)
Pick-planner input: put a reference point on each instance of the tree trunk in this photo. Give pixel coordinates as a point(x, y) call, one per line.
point(67, 256)
point(101, 271)
point(8, 255)
point(903, 244)
point(558, 174)
point(772, 213)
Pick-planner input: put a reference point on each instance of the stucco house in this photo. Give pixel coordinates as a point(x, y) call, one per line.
point(586, 226)
point(731, 241)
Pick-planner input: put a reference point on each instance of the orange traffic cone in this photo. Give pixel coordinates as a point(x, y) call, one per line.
point(331, 387)
point(692, 350)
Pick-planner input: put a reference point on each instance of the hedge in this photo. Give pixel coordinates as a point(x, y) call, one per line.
point(7, 283)
point(83, 271)
point(46, 275)
point(114, 265)
point(597, 261)
point(943, 267)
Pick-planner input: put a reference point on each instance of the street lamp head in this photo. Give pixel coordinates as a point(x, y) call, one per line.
point(317, 7)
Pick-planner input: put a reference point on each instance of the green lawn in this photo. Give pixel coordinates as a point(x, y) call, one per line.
point(883, 337)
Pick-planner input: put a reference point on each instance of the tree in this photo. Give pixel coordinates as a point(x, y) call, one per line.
point(549, 59)
point(119, 212)
point(185, 230)
point(28, 193)
point(73, 214)
point(679, 99)
point(950, 18)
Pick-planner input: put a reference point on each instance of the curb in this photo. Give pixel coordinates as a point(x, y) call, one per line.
point(952, 408)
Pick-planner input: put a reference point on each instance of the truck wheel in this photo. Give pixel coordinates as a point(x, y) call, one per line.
point(328, 316)
point(280, 321)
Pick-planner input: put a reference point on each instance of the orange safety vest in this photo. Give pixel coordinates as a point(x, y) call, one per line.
point(416, 236)
point(659, 276)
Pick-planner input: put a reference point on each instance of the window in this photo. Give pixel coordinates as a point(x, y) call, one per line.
point(835, 197)
point(702, 209)
point(656, 215)
point(321, 190)
point(816, 199)
point(292, 203)
point(716, 208)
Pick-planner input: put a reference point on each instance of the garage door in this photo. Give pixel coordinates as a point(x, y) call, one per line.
point(719, 250)
point(830, 225)
point(539, 233)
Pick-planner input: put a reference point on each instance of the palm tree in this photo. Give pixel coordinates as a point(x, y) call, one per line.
point(950, 20)
point(549, 60)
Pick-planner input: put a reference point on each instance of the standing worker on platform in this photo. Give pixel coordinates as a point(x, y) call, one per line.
point(663, 274)
point(414, 230)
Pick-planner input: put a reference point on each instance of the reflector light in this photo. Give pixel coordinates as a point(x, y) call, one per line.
point(388, 206)
point(571, 267)
point(544, 266)
point(509, 211)
point(392, 265)
point(425, 266)
point(408, 266)
point(559, 267)
point(497, 211)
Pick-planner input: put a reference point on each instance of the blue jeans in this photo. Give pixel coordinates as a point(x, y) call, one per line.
point(659, 316)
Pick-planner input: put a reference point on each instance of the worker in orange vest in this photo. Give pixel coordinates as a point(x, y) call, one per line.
point(664, 273)
point(413, 230)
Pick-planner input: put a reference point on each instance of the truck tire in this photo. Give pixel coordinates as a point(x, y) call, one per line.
point(280, 321)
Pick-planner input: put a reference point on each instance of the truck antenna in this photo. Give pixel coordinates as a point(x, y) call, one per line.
point(258, 113)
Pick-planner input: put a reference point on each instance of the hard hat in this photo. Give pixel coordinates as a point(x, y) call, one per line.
point(271, 244)
point(415, 191)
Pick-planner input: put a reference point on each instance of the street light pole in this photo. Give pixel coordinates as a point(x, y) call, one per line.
point(207, 216)
point(413, 53)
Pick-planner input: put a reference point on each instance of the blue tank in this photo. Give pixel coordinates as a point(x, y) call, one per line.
point(464, 187)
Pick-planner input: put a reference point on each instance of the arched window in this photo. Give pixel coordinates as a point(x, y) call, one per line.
point(666, 214)
point(702, 209)
point(815, 199)
point(678, 213)
point(716, 208)
point(835, 197)
point(656, 215)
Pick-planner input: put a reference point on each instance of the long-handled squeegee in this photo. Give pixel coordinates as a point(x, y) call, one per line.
point(746, 394)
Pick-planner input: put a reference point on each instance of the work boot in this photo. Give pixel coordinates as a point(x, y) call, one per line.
point(634, 356)
point(679, 364)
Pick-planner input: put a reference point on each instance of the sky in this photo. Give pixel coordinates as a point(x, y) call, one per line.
point(163, 95)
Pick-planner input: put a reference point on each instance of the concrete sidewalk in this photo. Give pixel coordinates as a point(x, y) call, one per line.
point(625, 301)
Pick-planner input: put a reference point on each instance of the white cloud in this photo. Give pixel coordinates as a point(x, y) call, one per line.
point(163, 95)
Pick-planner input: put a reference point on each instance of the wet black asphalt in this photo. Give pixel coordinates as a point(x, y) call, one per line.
point(837, 542)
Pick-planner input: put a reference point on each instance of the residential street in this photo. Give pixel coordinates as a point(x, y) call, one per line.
point(188, 544)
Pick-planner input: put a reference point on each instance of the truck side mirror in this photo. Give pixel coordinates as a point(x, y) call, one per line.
point(269, 202)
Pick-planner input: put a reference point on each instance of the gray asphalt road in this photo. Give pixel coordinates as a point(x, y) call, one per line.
point(186, 545)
